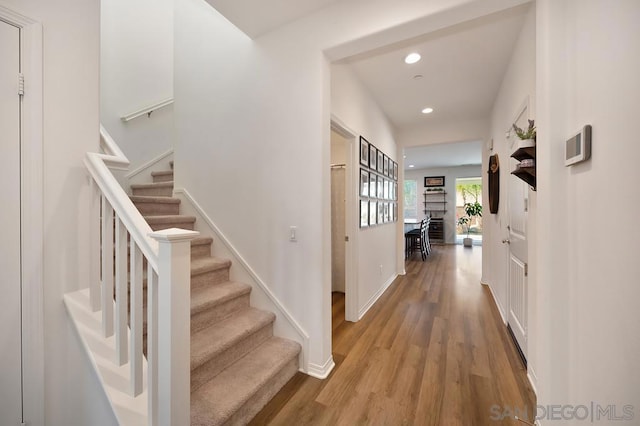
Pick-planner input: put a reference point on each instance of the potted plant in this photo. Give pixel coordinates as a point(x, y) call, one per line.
point(527, 137)
point(472, 210)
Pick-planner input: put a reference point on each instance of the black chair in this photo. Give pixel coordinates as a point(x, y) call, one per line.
point(418, 239)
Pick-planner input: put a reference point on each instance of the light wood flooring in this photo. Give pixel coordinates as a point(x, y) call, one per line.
point(432, 351)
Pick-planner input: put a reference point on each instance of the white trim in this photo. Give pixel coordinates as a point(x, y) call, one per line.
point(533, 378)
point(147, 110)
point(32, 221)
point(376, 296)
point(351, 207)
point(497, 302)
point(304, 337)
point(321, 371)
point(149, 164)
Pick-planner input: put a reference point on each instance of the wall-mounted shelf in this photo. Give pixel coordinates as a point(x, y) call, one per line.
point(527, 174)
point(435, 202)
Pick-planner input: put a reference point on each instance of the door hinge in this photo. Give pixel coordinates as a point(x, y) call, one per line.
point(346, 238)
point(526, 269)
point(20, 84)
point(526, 205)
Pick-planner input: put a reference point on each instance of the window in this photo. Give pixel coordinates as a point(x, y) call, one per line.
point(410, 199)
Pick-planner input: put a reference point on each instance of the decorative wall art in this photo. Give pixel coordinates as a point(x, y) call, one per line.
point(378, 186)
point(364, 152)
point(431, 181)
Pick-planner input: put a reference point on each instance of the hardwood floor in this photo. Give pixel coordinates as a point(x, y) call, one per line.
point(432, 351)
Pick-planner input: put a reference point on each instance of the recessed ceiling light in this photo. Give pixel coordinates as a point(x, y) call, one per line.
point(427, 110)
point(411, 166)
point(412, 58)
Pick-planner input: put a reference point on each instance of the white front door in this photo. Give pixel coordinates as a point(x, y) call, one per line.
point(518, 257)
point(10, 280)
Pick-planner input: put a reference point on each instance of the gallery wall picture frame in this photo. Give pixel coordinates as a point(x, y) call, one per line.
point(381, 212)
point(385, 212)
point(395, 191)
point(373, 187)
point(364, 182)
point(364, 213)
point(373, 157)
point(385, 189)
point(364, 152)
point(395, 171)
point(433, 181)
point(385, 165)
point(380, 186)
point(373, 213)
point(380, 161)
point(390, 174)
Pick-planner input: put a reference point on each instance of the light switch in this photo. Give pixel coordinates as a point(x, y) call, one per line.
point(292, 234)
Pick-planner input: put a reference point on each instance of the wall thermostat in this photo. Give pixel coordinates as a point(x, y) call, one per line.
point(578, 147)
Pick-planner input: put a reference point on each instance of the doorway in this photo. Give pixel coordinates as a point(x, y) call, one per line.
point(468, 190)
point(10, 256)
point(344, 222)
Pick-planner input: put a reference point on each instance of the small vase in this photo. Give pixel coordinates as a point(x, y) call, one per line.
point(525, 143)
point(467, 242)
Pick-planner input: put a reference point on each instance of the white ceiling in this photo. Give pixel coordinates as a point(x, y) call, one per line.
point(443, 155)
point(462, 68)
point(256, 17)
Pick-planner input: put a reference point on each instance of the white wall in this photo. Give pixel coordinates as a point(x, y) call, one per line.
point(71, 68)
point(136, 70)
point(376, 246)
point(249, 115)
point(450, 174)
point(518, 87)
point(587, 73)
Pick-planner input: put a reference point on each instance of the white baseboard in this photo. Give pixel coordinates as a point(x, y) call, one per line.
point(497, 303)
point(375, 297)
point(533, 379)
point(321, 371)
point(256, 282)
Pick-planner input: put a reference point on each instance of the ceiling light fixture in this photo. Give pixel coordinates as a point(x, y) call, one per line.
point(411, 166)
point(427, 110)
point(412, 58)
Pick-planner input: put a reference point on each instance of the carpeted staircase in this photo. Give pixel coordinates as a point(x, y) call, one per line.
point(237, 365)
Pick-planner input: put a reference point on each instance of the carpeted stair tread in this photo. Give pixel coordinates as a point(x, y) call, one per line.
point(213, 340)
point(209, 297)
point(208, 264)
point(170, 220)
point(154, 199)
point(220, 398)
point(152, 185)
point(201, 241)
point(162, 173)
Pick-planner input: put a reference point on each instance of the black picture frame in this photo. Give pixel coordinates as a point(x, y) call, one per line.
point(373, 187)
point(380, 161)
point(373, 157)
point(385, 189)
point(395, 171)
point(380, 187)
point(364, 182)
point(364, 152)
point(373, 213)
point(381, 212)
point(433, 181)
point(385, 165)
point(364, 213)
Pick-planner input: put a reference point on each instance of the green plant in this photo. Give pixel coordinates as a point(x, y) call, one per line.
point(472, 210)
point(529, 133)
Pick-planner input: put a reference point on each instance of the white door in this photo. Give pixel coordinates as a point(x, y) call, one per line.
point(517, 269)
point(10, 303)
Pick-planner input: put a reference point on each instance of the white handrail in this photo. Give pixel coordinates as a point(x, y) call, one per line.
point(147, 110)
point(98, 166)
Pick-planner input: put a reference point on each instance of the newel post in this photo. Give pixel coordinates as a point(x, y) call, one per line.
point(172, 362)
